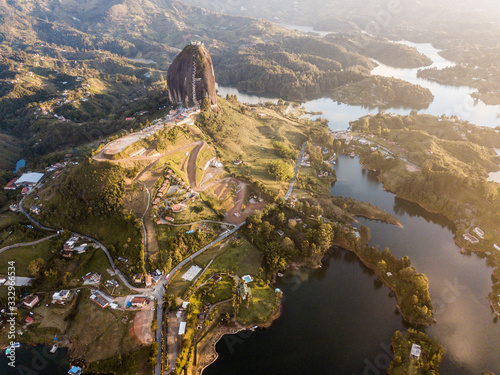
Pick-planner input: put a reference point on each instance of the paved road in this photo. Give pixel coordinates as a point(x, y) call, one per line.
point(297, 167)
point(101, 245)
point(158, 291)
point(27, 243)
point(173, 272)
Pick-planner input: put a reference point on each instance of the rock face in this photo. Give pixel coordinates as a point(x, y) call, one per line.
point(190, 78)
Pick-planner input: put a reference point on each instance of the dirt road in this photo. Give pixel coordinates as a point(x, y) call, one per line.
point(191, 167)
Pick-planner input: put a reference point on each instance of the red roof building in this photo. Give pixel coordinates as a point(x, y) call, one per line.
point(11, 185)
point(178, 207)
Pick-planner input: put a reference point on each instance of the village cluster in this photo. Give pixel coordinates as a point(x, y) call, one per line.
point(176, 195)
point(473, 239)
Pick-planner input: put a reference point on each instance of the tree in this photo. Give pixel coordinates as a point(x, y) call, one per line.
point(35, 266)
point(274, 257)
point(280, 170)
point(266, 229)
point(324, 236)
point(364, 232)
point(288, 245)
point(255, 217)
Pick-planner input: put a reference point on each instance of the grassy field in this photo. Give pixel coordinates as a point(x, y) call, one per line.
point(178, 286)
point(214, 293)
point(124, 365)
point(95, 333)
point(100, 333)
point(24, 255)
point(13, 229)
point(250, 137)
point(240, 260)
point(260, 308)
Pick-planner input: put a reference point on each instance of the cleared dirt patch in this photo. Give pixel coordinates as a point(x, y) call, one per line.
point(411, 168)
point(142, 326)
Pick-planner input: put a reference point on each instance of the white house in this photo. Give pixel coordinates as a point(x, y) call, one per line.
point(416, 350)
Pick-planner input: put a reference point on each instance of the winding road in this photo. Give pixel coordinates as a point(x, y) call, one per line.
point(27, 243)
point(158, 291)
point(101, 245)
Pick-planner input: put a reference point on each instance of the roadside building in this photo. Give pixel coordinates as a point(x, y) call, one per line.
point(182, 328)
point(148, 281)
point(35, 210)
point(139, 302)
point(30, 301)
point(11, 184)
point(29, 179)
point(92, 278)
point(80, 249)
point(61, 297)
point(137, 278)
point(178, 207)
point(100, 299)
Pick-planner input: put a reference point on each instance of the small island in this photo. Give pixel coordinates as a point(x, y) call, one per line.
point(415, 353)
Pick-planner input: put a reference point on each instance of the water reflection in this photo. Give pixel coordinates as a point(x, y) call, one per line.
point(448, 100)
point(403, 207)
point(459, 283)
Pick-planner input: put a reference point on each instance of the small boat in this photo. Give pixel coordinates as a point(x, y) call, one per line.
point(280, 274)
point(352, 155)
point(54, 348)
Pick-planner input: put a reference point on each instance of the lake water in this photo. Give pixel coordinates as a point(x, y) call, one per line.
point(36, 361)
point(20, 164)
point(448, 100)
point(340, 320)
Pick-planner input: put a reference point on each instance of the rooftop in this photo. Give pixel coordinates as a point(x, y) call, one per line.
point(30, 178)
